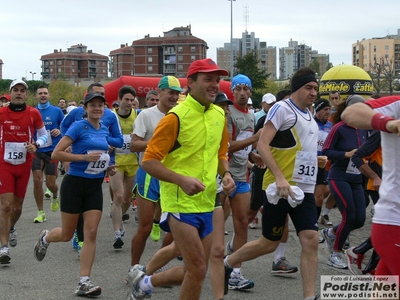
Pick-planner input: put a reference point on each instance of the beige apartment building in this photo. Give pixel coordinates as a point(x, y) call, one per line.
point(367, 52)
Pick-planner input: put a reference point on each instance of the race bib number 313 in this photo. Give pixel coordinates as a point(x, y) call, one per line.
point(305, 167)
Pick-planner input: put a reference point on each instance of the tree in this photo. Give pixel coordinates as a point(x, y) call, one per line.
point(249, 65)
point(314, 65)
point(383, 74)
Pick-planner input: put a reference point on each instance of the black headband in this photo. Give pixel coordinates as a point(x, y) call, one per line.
point(298, 82)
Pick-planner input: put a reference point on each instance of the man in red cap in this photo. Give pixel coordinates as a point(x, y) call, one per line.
point(186, 152)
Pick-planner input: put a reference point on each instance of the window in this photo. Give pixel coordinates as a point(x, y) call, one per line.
point(374, 48)
point(51, 63)
point(73, 70)
point(150, 68)
point(180, 49)
point(59, 70)
point(193, 57)
point(180, 57)
point(386, 47)
point(180, 67)
point(59, 62)
point(72, 63)
point(149, 50)
point(193, 49)
point(150, 59)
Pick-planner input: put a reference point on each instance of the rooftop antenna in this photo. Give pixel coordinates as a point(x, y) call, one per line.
point(246, 17)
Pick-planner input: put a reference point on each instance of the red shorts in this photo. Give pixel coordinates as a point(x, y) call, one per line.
point(14, 178)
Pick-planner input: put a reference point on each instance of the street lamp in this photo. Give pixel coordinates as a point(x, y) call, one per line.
point(33, 75)
point(231, 74)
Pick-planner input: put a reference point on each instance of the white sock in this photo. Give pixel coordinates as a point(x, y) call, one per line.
point(44, 240)
point(83, 279)
point(226, 262)
point(117, 232)
point(325, 211)
point(145, 284)
point(279, 252)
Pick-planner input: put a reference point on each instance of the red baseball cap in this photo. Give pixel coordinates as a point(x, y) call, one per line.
point(7, 96)
point(206, 65)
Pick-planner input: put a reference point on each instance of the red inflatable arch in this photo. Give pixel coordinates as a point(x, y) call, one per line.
point(142, 85)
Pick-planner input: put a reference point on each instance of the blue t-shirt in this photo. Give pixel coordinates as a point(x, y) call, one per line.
point(52, 117)
point(109, 120)
point(87, 138)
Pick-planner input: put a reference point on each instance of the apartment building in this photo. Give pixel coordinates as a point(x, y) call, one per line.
point(170, 54)
point(77, 62)
point(297, 55)
point(248, 43)
point(368, 52)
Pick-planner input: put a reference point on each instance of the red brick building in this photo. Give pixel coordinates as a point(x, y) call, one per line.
point(157, 56)
point(76, 62)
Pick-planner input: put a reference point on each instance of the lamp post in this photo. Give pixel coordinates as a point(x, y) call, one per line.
point(231, 60)
point(33, 75)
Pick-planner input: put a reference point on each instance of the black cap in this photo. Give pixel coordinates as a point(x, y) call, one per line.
point(321, 103)
point(222, 98)
point(91, 96)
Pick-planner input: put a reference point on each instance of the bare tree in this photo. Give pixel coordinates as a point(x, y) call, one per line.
point(383, 74)
point(376, 73)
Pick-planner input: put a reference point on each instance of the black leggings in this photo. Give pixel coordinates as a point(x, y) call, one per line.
point(350, 199)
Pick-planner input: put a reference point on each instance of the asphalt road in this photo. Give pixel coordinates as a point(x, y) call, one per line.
point(58, 274)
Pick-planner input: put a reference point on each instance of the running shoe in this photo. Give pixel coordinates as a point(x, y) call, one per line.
point(40, 247)
point(74, 240)
point(118, 243)
point(354, 261)
point(325, 220)
point(125, 217)
point(41, 217)
point(283, 267)
point(134, 277)
point(12, 238)
point(155, 233)
point(131, 269)
point(254, 223)
point(337, 260)
point(328, 240)
point(4, 256)
point(48, 193)
point(87, 288)
point(55, 204)
point(238, 282)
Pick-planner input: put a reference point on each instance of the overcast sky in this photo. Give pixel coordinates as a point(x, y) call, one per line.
point(30, 29)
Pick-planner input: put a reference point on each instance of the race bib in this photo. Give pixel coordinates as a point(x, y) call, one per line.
point(125, 147)
point(100, 165)
point(15, 153)
point(352, 169)
point(49, 140)
point(245, 151)
point(321, 140)
point(305, 167)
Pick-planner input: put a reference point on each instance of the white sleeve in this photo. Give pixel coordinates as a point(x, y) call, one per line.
point(41, 136)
